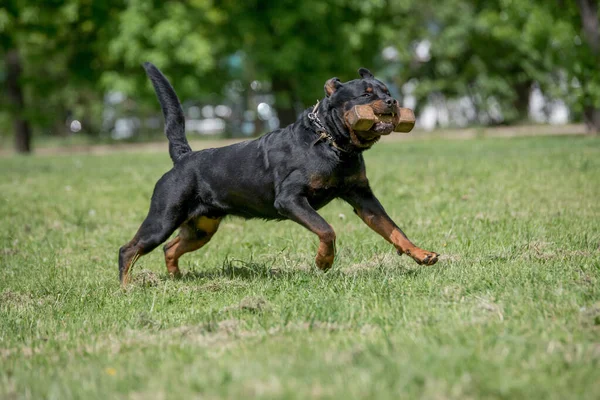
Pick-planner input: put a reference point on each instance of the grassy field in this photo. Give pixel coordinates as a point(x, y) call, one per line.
point(512, 310)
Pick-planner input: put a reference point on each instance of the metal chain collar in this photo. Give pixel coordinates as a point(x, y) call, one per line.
point(314, 118)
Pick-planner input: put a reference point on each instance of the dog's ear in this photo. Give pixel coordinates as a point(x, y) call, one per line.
point(332, 85)
point(365, 73)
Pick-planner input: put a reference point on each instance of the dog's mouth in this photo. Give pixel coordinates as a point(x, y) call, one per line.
point(385, 125)
point(368, 123)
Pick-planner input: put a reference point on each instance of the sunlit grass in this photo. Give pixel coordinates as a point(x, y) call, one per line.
point(512, 310)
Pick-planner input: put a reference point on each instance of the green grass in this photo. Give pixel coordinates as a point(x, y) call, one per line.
point(512, 310)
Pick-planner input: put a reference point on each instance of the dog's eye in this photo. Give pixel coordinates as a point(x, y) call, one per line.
point(367, 95)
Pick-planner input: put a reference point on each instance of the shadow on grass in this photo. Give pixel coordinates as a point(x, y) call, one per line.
point(230, 269)
point(236, 269)
point(251, 270)
point(256, 271)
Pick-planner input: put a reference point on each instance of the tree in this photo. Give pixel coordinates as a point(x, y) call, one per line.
point(181, 37)
point(496, 49)
point(52, 54)
point(14, 70)
point(22, 128)
point(588, 11)
point(62, 56)
point(297, 46)
point(478, 49)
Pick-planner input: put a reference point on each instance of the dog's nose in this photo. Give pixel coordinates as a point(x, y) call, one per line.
point(390, 101)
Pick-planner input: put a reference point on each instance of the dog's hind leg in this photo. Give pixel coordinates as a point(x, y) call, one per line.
point(150, 235)
point(165, 215)
point(194, 234)
point(145, 240)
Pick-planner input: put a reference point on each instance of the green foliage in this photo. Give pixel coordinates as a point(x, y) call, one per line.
point(298, 45)
point(181, 37)
point(74, 51)
point(498, 48)
point(61, 47)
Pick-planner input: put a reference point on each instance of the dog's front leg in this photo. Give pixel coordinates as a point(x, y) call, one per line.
point(299, 210)
point(370, 210)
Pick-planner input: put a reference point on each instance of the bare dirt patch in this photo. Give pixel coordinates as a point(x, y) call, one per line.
point(377, 260)
point(253, 304)
point(20, 301)
point(146, 278)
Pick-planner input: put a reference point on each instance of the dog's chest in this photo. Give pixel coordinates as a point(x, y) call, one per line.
point(322, 191)
point(324, 188)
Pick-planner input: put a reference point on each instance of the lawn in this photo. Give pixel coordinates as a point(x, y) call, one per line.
point(512, 309)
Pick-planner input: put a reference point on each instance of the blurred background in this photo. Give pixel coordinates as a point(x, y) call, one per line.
point(71, 70)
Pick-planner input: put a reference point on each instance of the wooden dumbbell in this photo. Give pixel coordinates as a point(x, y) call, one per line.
point(362, 118)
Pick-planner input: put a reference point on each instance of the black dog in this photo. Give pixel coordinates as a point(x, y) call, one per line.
point(286, 174)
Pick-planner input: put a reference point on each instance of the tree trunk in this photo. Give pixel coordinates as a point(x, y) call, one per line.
point(591, 116)
point(15, 94)
point(285, 105)
point(588, 10)
point(521, 101)
point(286, 115)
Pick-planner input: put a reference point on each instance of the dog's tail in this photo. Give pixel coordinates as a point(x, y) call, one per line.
point(172, 111)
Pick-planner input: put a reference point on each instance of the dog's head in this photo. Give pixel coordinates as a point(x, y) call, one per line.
point(370, 92)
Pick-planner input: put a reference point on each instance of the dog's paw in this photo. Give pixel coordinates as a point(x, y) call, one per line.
point(175, 274)
point(422, 257)
point(324, 263)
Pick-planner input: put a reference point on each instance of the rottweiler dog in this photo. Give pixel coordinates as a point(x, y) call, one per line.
point(289, 173)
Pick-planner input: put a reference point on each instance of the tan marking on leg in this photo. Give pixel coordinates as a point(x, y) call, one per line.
point(132, 253)
point(326, 252)
point(192, 236)
point(172, 265)
point(388, 231)
point(208, 225)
